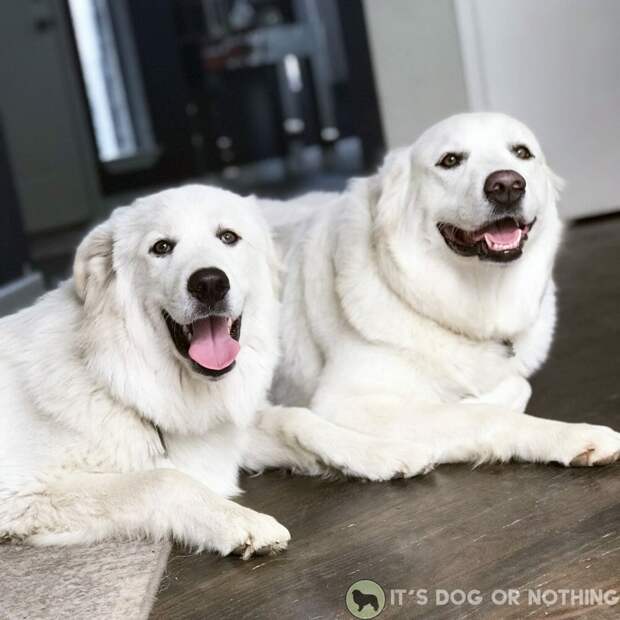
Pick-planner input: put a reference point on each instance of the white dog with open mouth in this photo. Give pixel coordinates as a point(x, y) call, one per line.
point(419, 301)
point(126, 394)
point(415, 307)
point(112, 424)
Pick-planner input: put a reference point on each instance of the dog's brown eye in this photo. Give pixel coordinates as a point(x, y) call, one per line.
point(228, 237)
point(450, 160)
point(162, 247)
point(522, 152)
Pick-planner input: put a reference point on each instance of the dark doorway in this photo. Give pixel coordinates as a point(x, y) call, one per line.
point(194, 88)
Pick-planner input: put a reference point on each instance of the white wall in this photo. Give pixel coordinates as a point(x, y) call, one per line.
point(553, 63)
point(416, 56)
point(556, 65)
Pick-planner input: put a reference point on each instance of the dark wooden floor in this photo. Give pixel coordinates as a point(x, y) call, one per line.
point(498, 527)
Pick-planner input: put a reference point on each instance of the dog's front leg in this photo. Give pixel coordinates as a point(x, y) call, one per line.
point(457, 432)
point(481, 433)
point(454, 433)
point(78, 508)
point(297, 439)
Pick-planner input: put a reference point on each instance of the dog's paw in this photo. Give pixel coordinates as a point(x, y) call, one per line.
point(388, 459)
point(251, 533)
point(584, 445)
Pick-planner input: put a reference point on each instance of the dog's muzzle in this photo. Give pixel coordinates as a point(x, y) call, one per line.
point(499, 241)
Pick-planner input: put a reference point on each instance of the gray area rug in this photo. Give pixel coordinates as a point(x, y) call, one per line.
point(110, 580)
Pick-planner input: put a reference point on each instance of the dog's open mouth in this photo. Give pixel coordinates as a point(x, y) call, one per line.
point(210, 343)
point(501, 241)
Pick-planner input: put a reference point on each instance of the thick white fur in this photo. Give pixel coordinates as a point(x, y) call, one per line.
point(90, 371)
point(394, 342)
point(387, 332)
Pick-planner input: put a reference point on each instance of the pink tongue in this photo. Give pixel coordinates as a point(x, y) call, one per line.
point(212, 346)
point(506, 238)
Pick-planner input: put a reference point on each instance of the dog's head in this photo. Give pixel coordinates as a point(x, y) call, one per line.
point(192, 262)
point(475, 185)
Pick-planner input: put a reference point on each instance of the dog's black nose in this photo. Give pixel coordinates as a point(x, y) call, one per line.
point(504, 188)
point(208, 285)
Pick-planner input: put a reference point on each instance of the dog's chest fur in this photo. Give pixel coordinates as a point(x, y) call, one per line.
point(72, 403)
point(337, 296)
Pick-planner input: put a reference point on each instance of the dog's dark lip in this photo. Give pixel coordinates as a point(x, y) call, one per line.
point(182, 342)
point(212, 374)
point(457, 240)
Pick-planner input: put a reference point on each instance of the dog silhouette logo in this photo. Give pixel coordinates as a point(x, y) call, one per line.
point(365, 599)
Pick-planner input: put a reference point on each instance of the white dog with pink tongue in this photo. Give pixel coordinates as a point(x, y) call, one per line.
point(419, 301)
point(415, 306)
point(128, 394)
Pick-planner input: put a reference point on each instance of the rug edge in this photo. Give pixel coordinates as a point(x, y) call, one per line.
point(152, 586)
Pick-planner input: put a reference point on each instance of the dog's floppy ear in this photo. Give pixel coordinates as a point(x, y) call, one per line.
point(93, 268)
point(393, 188)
